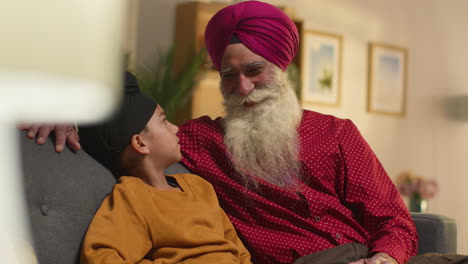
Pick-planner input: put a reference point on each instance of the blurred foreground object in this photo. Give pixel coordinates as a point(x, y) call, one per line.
point(60, 61)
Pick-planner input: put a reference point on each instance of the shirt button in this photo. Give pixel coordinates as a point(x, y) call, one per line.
point(337, 236)
point(317, 219)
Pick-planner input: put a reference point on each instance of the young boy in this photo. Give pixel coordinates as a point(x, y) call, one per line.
point(150, 217)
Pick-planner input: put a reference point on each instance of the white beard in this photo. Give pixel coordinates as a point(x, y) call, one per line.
point(263, 139)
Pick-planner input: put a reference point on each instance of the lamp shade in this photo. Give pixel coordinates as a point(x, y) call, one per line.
point(60, 60)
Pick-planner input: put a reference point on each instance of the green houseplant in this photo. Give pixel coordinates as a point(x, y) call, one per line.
point(295, 78)
point(171, 90)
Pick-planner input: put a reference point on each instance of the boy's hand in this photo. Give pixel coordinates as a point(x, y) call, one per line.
point(64, 133)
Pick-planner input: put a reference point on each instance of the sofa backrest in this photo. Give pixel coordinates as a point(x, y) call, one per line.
point(63, 191)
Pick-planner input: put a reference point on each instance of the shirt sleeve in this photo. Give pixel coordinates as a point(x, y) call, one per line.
point(231, 235)
point(370, 193)
point(118, 233)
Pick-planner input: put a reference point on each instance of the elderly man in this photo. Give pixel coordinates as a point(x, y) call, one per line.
point(298, 186)
point(292, 181)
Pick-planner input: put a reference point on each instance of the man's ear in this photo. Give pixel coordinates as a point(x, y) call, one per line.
point(139, 145)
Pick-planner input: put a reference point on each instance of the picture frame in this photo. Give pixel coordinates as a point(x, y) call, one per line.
point(321, 68)
point(387, 79)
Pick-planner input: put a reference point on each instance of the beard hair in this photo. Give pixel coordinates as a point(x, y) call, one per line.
point(262, 139)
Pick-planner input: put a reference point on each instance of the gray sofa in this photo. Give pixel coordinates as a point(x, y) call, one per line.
point(64, 190)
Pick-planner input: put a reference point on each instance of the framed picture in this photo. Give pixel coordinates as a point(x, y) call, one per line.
point(321, 72)
point(387, 79)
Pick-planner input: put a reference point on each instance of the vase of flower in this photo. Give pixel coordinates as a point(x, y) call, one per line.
point(417, 204)
point(418, 189)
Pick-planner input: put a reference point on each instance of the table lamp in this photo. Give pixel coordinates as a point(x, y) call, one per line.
point(60, 61)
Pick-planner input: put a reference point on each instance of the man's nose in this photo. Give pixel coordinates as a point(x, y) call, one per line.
point(245, 85)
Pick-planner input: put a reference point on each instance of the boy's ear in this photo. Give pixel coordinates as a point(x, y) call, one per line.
point(139, 145)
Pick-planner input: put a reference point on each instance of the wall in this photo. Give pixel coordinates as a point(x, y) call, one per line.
point(440, 58)
point(425, 141)
point(131, 32)
point(156, 26)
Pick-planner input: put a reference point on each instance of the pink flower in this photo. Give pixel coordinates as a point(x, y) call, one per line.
point(406, 189)
point(408, 184)
point(429, 189)
point(404, 183)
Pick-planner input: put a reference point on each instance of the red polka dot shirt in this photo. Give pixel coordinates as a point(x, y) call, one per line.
point(346, 196)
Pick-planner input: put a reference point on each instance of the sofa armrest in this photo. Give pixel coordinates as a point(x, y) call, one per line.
point(437, 233)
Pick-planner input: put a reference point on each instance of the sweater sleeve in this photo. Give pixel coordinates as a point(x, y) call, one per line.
point(118, 232)
point(371, 194)
point(231, 235)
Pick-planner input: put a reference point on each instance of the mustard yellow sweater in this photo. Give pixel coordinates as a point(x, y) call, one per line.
point(138, 223)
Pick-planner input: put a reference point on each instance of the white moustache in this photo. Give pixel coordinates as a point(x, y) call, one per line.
point(259, 94)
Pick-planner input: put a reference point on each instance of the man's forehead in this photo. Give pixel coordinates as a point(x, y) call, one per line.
point(239, 55)
point(245, 65)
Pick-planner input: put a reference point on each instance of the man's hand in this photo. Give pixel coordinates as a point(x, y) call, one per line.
point(64, 133)
point(379, 258)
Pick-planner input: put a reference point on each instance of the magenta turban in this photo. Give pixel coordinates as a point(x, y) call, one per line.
point(263, 28)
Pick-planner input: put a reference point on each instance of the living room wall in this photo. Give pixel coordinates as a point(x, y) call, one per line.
point(425, 140)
